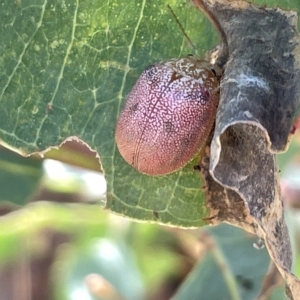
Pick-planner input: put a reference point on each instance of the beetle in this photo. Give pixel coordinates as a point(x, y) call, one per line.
point(168, 115)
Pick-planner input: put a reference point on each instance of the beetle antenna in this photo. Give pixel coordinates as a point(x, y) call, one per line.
point(181, 28)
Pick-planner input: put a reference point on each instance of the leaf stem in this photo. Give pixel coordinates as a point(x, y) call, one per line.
point(222, 264)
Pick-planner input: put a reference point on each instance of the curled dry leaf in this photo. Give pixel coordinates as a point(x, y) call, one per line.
point(258, 97)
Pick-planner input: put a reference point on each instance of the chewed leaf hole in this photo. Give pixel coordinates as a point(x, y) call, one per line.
point(72, 174)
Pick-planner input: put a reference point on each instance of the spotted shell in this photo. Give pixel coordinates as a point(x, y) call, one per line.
point(168, 115)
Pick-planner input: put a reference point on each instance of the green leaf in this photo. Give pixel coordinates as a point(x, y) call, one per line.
point(278, 294)
point(67, 67)
point(232, 269)
point(283, 4)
